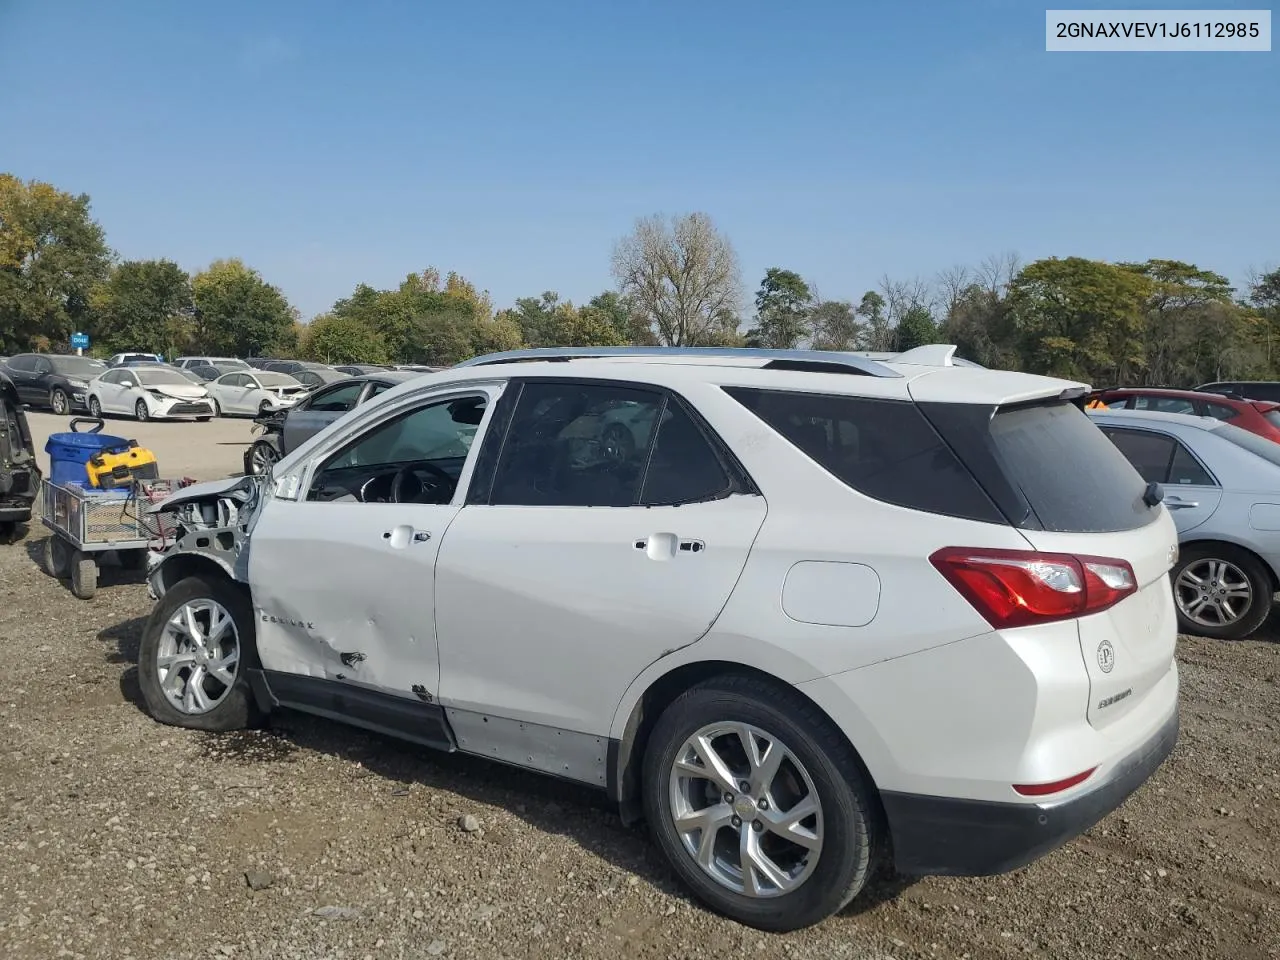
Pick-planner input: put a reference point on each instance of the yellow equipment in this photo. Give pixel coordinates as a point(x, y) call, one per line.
point(120, 467)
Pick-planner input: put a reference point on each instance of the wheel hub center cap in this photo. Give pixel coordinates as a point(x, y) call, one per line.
point(202, 656)
point(745, 808)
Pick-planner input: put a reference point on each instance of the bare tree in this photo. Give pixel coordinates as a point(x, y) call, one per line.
point(951, 284)
point(682, 275)
point(997, 271)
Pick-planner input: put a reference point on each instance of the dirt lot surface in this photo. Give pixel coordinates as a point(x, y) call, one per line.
point(123, 838)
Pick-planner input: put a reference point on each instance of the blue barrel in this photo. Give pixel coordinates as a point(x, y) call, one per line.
point(69, 452)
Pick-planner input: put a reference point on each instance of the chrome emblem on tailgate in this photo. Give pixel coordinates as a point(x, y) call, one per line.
point(1106, 656)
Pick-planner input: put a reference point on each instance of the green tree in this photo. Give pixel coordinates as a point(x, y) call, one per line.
point(619, 312)
point(143, 305)
point(335, 339)
point(546, 321)
point(916, 328)
point(783, 304)
point(877, 332)
point(1181, 304)
point(52, 253)
point(1081, 318)
point(239, 313)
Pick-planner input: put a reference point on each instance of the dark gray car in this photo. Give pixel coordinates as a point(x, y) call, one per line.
point(286, 430)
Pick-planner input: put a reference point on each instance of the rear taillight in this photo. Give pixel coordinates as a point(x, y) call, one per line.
point(1017, 588)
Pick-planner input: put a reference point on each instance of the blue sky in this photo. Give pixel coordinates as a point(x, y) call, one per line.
point(329, 143)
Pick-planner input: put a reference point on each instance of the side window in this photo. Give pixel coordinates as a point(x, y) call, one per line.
point(441, 431)
point(337, 399)
point(884, 449)
point(1220, 411)
point(684, 467)
point(1164, 404)
point(1150, 453)
point(43, 366)
point(575, 444)
point(25, 364)
point(378, 388)
point(1187, 469)
point(110, 377)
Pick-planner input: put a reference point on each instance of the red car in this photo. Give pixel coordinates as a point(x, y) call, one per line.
point(1257, 416)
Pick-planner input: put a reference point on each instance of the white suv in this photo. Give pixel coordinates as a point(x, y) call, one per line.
point(812, 613)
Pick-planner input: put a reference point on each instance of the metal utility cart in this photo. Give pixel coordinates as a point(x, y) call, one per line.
point(86, 523)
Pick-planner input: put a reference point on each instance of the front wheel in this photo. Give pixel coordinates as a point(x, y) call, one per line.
point(59, 403)
point(197, 648)
point(141, 410)
point(95, 407)
point(1221, 591)
point(264, 408)
point(759, 803)
point(262, 456)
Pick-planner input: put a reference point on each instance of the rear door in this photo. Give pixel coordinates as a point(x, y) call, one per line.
point(581, 558)
point(1190, 491)
point(1084, 498)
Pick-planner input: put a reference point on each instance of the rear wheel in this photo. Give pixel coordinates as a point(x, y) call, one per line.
point(84, 575)
point(56, 557)
point(1221, 591)
point(759, 803)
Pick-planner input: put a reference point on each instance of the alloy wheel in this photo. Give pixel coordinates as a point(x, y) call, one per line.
point(1213, 593)
point(261, 458)
point(198, 656)
point(746, 810)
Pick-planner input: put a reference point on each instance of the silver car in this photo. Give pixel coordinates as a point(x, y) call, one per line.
point(1222, 487)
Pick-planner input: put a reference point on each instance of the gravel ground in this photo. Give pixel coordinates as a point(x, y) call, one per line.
point(123, 838)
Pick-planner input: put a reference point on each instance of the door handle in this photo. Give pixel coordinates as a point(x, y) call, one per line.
point(1176, 503)
point(404, 535)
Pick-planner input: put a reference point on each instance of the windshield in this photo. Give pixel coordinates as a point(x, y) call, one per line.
point(1268, 450)
point(231, 364)
point(82, 367)
point(157, 377)
point(276, 380)
point(1273, 417)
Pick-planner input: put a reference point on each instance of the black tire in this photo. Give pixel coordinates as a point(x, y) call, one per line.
point(141, 412)
point(264, 408)
point(8, 531)
point(237, 708)
point(204, 419)
point(849, 806)
point(59, 403)
point(84, 575)
point(268, 455)
point(217, 410)
point(56, 557)
point(1261, 590)
point(95, 407)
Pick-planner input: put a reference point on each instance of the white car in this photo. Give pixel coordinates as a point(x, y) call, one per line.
point(148, 393)
point(231, 362)
point(255, 392)
point(120, 359)
point(827, 610)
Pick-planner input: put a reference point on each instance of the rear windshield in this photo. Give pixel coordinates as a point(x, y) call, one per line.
point(1071, 477)
point(1266, 449)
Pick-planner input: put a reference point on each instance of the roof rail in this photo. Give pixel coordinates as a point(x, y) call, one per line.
point(824, 361)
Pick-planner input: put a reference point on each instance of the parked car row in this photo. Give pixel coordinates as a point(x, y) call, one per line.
point(143, 386)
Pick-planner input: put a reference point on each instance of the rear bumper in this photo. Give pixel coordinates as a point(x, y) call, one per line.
point(945, 836)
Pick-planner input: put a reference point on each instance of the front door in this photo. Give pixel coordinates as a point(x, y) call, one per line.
point(598, 545)
point(318, 411)
point(343, 576)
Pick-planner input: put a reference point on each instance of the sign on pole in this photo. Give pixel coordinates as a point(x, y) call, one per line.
point(80, 341)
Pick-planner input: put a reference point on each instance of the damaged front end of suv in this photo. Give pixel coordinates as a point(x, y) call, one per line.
point(19, 473)
point(207, 532)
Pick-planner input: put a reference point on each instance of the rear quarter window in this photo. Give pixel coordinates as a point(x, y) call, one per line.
point(885, 449)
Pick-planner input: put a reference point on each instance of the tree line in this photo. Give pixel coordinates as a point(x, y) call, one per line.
point(677, 283)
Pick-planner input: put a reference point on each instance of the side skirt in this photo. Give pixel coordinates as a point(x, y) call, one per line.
point(564, 754)
point(399, 717)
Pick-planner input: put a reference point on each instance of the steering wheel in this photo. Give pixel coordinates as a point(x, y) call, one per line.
point(408, 470)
